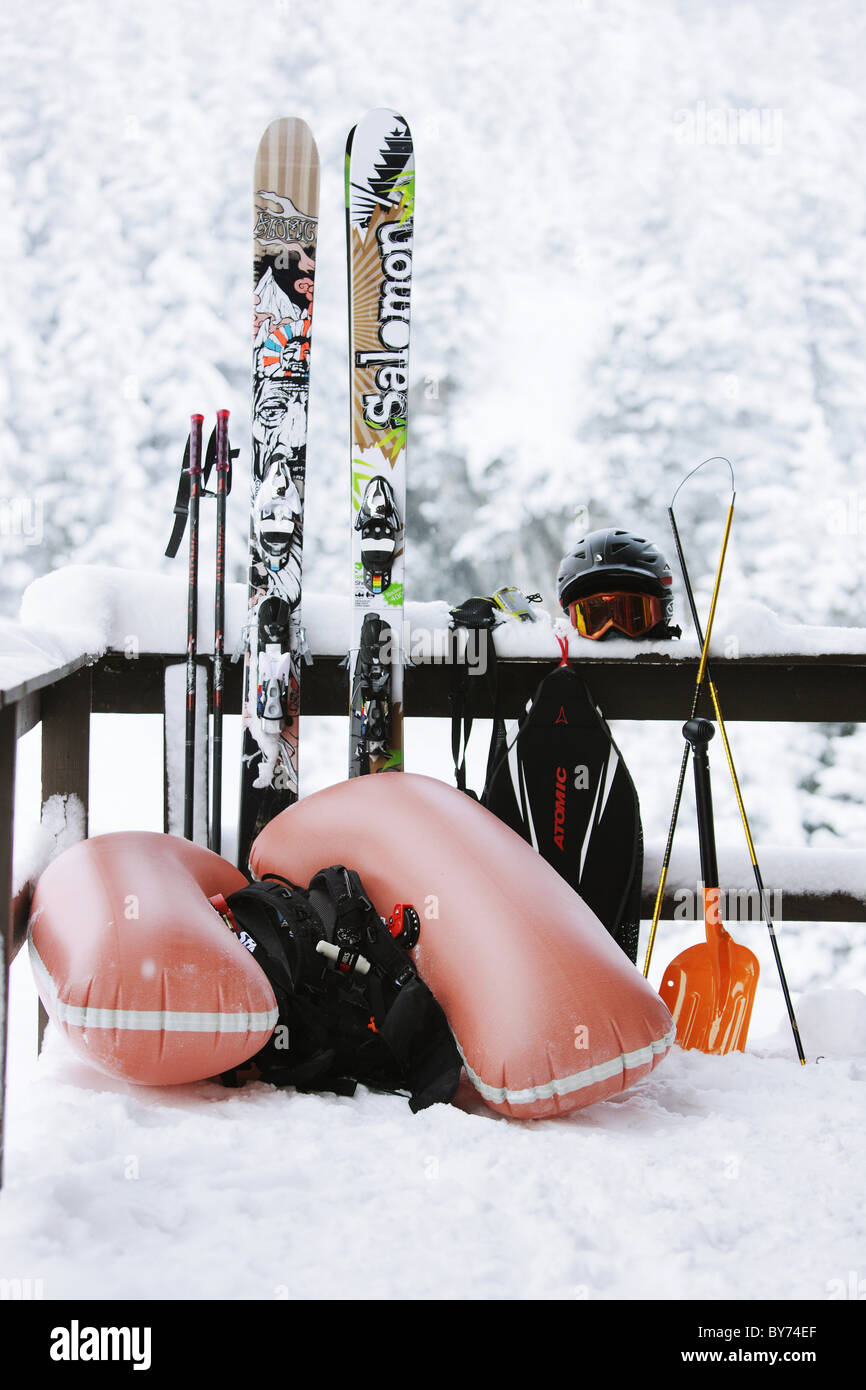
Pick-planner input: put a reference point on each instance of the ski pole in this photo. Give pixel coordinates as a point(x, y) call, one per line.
point(738, 794)
point(702, 665)
point(192, 623)
point(222, 484)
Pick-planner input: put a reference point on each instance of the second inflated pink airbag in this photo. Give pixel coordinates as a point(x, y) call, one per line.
point(548, 1012)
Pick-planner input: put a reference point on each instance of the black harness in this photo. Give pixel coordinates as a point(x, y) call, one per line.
point(352, 1007)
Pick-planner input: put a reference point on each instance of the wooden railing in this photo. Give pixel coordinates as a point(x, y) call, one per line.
point(811, 689)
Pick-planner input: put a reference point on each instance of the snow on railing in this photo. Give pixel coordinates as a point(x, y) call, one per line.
point(97, 608)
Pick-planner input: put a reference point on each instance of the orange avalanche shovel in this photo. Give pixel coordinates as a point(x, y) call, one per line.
point(710, 988)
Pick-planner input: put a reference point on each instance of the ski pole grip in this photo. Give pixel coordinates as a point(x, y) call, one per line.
point(196, 422)
point(222, 441)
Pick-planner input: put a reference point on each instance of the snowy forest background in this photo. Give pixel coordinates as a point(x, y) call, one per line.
point(639, 242)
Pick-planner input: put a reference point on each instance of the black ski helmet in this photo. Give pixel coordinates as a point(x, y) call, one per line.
point(615, 559)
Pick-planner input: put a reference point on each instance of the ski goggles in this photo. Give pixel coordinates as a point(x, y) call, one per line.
point(633, 614)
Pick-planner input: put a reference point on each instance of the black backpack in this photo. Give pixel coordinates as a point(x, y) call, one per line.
point(562, 784)
point(352, 1008)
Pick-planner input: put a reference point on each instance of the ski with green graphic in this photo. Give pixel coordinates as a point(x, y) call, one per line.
point(380, 202)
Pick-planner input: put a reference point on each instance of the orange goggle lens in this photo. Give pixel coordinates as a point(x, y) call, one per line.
point(633, 614)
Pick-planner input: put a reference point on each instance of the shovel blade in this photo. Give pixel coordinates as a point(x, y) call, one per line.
point(709, 990)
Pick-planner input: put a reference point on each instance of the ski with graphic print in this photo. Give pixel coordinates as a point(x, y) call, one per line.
point(285, 224)
point(380, 197)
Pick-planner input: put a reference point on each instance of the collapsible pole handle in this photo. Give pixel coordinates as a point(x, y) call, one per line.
point(698, 733)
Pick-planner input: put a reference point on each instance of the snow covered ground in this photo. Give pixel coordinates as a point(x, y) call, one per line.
point(735, 1177)
point(716, 1178)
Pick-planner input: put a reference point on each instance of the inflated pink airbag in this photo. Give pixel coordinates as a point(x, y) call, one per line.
point(137, 967)
point(547, 1011)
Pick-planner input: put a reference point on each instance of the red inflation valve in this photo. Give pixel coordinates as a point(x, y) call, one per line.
point(404, 924)
point(222, 907)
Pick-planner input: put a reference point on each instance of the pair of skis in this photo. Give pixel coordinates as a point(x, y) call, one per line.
point(194, 475)
point(379, 225)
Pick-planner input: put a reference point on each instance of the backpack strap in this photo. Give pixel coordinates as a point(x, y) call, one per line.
point(414, 1028)
point(342, 1025)
point(274, 915)
point(357, 928)
point(477, 615)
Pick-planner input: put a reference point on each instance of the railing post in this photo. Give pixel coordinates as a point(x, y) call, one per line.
point(8, 749)
point(66, 739)
point(66, 751)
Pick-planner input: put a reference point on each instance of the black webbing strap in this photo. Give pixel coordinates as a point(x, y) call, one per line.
point(290, 962)
point(382, 1028)
point(263, 914)
point(210, 462)
point(461, 719)
point(181, 505)
point(357, 921)
point(181, 501)
point(476, 614)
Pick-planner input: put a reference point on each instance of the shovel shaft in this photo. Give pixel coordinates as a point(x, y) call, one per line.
point(698, 732)
point(702, 666)
point(736, 785)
